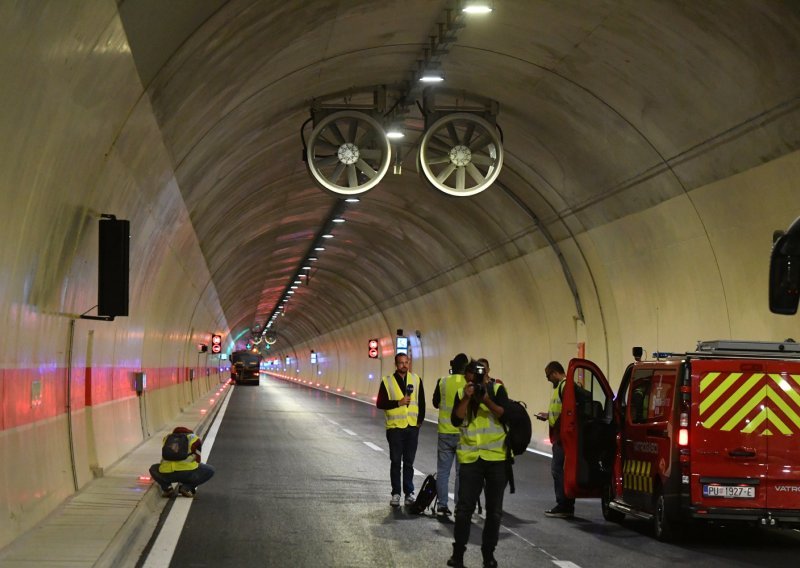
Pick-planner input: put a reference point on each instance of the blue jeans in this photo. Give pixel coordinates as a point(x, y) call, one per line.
point(489, 476)
point(445, 455)
point(190, 478)
point(557, 469)
point(402, 451)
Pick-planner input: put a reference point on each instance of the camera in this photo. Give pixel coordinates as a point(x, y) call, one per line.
point(480, 374)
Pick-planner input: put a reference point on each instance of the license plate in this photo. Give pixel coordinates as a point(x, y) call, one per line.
point(730, 491)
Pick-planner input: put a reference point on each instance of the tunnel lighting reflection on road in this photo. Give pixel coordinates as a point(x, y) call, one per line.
point(477, 8)
point(352, 200)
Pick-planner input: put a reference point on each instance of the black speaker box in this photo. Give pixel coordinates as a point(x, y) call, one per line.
point(113, 267)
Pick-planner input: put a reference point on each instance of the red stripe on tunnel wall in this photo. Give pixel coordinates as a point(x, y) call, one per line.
point(32, 395)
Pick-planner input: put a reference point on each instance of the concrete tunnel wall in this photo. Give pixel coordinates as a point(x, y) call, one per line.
point(693, 268)
point(79, 138)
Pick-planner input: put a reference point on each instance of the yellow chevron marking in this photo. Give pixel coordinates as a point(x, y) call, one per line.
point(796, 379)
point(718, 392)
point(741, 413)
point(649, 484)
point(732, 399)
point(786, 387)
point(772, 417)
point(780, 403)
point(767, 432)
point(755, 422)
point(706, 381)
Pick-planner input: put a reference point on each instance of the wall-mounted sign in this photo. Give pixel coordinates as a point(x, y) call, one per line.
point(401, 346)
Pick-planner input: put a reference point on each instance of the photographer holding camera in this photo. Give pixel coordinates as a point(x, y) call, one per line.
point(478, 411)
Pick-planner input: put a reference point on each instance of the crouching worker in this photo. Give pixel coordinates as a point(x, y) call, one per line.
point(180, 463)
point(478, 411)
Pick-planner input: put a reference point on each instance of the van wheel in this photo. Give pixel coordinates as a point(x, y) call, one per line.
point(610, 514)
point(666, 530)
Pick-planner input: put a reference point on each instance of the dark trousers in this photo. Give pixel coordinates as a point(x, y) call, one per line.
point(402, 451)
point(557, 469)
point(191, 478)
point(490, 477)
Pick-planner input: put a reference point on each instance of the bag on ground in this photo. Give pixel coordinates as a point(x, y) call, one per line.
point(176, 447)
point(426, 495)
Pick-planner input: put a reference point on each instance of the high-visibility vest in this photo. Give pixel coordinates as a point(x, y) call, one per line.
point(187, 464)
point(484, 436)
point(448, 387)
point(554, 411)
point(402, 416)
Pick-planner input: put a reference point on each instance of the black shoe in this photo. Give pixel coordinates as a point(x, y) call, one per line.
point(443, 511)
point(186, 491)
point(457, 560)
point(488, 559)
point(560, 512)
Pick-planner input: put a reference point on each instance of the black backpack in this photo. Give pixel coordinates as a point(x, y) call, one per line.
point(518, 426)
point(176, 447)
point(426, 495)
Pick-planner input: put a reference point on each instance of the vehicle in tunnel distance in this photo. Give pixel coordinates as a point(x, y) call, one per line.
point(245, 367)
point(712, 435)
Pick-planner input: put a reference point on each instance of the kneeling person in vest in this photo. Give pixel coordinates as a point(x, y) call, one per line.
point(181, 464)
point(402, 399)
point(481, 453)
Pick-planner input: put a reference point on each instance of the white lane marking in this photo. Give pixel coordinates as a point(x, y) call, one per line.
point(419, 473)
point(565, 564)
point(160, 555)
point(349, 432)
point(374, 447)
point(332, 421)
point(540, 453)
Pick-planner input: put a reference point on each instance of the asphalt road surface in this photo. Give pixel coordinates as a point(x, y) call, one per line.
point(303, 480)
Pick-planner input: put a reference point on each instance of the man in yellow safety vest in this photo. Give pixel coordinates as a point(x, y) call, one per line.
point(402, 399)
point(565, 507)
point(443, 398)
point(478, 410)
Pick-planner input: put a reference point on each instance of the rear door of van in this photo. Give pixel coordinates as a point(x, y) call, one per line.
point(744, 444)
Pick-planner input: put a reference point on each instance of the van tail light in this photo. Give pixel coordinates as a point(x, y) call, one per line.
point(683, 437)
point(685, 421)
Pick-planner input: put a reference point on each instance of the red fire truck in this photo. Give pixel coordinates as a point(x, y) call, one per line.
point(710, 435)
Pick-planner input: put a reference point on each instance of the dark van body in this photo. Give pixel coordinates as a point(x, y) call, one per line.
point(245, 368)
point(711, 435)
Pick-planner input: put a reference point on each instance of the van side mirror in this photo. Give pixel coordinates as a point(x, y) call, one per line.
point(784, 270)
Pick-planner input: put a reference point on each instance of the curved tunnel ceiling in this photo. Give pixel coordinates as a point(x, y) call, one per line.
point(606, 108)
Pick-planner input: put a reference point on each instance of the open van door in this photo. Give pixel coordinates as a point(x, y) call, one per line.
point(588, 433)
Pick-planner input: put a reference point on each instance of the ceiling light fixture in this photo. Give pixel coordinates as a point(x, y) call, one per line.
point(431, 76)
point(352, 200)
point(319, 248)
point(312, 258)
point(327, 236)
point(477, 7)
point(338, 220)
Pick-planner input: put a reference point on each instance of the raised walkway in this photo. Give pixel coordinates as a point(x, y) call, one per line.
point(110, 520)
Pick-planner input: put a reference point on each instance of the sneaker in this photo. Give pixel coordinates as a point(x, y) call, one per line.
point(559, 512)
point(186, 492)
point(395, 502)
point(409, 499)
point(169, 492)
point(443, 511)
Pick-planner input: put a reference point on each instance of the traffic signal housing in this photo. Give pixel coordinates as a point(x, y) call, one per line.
point(216, 343)
point(373, 349)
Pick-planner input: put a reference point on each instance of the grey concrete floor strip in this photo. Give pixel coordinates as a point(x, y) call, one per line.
point(98, 526)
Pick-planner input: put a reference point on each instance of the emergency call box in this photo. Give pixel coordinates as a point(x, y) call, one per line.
point(401, 346)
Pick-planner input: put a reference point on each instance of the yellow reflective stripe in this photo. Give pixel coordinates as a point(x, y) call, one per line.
point(743, 411)
point(706, 381)
point(718, 392)
point(755, 423)
point(780, 424)
point(786, 387)
point(733, 399)
point(783, 406)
